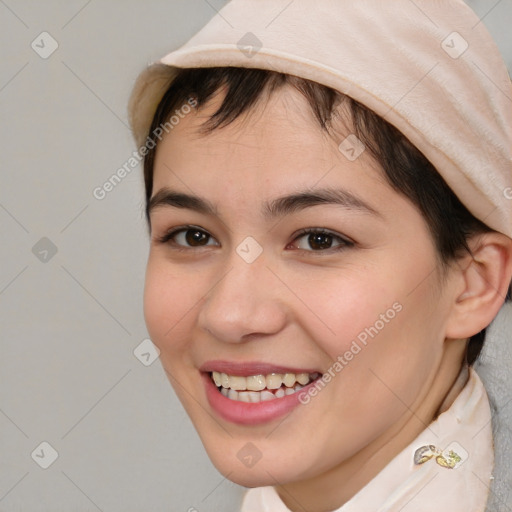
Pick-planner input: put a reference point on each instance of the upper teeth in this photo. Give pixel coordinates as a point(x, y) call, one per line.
point(260, 382)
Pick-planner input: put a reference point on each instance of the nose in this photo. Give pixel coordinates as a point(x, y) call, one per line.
point(244, 301)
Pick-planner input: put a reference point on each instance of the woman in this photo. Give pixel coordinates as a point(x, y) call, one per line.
point(328, 197)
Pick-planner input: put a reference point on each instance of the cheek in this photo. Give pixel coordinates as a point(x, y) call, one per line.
point(383, 338)
point(344, 306)
point(168, 299)
point(391, 301)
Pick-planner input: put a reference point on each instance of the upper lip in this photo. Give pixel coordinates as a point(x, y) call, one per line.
point(247, 368)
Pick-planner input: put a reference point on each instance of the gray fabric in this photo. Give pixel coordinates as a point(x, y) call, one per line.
point(495, 369)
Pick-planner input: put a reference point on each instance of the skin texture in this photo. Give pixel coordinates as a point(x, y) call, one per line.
point(298, 307)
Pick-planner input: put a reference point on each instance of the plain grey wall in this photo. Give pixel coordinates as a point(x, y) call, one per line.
point(72, 269)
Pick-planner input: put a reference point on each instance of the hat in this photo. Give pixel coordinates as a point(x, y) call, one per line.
point(429, 68)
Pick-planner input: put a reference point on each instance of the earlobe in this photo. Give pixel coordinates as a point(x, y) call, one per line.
point(486, 276)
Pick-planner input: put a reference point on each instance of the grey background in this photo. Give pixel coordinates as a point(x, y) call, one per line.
point(70, 324)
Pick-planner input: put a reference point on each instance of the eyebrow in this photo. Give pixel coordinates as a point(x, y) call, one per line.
point(271, 209)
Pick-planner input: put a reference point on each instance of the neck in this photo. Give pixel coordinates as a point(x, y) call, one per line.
point(332, 489)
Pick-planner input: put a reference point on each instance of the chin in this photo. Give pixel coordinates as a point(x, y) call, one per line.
point(253, 477)
point(256, 472)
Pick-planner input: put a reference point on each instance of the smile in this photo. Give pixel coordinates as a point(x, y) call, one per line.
point(254, 392)
point(260, 388)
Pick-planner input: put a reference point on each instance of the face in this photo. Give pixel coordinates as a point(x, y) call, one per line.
point(240, 294)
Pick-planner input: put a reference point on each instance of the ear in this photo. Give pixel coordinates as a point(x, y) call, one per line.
point(484, 279)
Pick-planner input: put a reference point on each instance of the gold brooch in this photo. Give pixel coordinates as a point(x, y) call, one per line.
point(447, 459)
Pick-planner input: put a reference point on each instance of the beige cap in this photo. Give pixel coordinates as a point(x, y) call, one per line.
point(429, 67)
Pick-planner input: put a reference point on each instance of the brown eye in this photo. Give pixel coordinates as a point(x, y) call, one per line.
point(317, 240)
point(196, 237)
point(188, 237)
point(320, 241)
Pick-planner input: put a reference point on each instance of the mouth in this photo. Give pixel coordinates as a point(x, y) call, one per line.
point(252, 393)
point(260, 388)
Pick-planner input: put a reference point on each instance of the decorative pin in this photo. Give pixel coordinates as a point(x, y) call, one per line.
point(448, 459)
point(424, 453)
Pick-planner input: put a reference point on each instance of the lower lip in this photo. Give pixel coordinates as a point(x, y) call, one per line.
point(245, 413)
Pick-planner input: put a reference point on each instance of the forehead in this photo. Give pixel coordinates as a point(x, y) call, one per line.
point(277, 140)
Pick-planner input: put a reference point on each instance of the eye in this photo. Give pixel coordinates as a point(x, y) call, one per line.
point(321, 240)
point(187, 237)
point(310, 240)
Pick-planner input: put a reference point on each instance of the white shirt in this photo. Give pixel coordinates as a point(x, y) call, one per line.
point(403, 486)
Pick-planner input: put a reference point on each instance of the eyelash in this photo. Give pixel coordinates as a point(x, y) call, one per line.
point(345, 243)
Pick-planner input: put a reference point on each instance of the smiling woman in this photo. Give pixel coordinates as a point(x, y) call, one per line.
point(329, 243)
